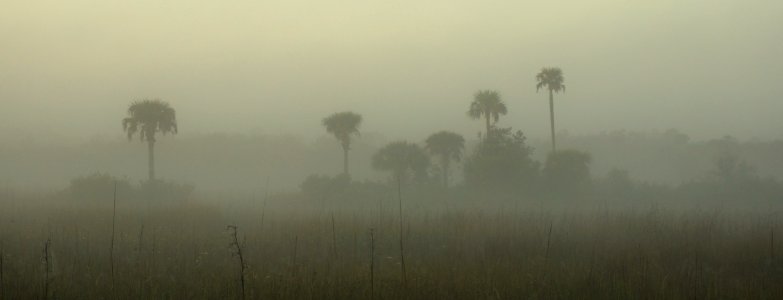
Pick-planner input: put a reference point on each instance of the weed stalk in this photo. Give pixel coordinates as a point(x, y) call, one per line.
point(237, 247)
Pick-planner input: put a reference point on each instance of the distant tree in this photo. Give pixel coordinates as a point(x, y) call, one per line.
point(448, 146)
point(618, 180)
point(343, 126)
point(404, 160)
point(552, 80)
point(725, 146)
point(502, 162)
point(731, 169)
point(487, 104)
point(732, 179)
point(148, 117)
point(323, 186)
point(567, 170)
point(675, 137)
point(97, 186)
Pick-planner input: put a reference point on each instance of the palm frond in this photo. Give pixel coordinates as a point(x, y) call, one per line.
point(486, 102)
point(551, 78)
point(475, 111)
point(149, 116)
point(343, 126)
point(400, 158)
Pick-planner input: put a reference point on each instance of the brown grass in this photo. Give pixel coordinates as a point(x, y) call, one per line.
point(450, 254)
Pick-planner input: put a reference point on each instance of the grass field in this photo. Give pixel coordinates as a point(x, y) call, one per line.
point(185, 251)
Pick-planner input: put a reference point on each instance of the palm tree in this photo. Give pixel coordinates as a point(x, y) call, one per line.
point(551, 79)
point(148, 117)
point(448, 146)
point(487, 103)
point(401, 158)
point(343, 126)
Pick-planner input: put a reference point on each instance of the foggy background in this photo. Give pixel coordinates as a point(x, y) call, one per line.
point(267, 72)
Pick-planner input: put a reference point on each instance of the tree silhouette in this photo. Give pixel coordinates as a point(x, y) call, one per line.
point(487, 103)
point(567, 171)
point(448, 146)
point(402, 159)
point(552, 80)
point(502, 162)
point(731, 169)
point(148, 117)
point(343, 126)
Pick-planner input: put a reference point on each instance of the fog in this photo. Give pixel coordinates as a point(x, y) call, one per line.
point(271, 149)
point(68, 70)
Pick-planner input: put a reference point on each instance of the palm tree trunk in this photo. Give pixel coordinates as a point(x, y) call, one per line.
point(552, 119)
point(345, 160)
point(445, 166)
point(151, 149)
point(488, 125)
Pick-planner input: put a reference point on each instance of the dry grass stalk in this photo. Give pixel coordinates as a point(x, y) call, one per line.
point(47, 261)
point(236, 246)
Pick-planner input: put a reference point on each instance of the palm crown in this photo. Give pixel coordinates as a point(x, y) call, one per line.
point(487, 103)
point(446, 144)
point(148, 117)
point(343, 126)
point(551, 79)
point(401, 158)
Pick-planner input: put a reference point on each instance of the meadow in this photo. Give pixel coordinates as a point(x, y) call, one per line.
point(54, 249)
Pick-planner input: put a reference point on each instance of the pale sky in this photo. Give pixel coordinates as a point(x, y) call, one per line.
point(69, 69)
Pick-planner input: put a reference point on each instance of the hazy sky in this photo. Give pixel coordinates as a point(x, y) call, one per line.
point(712, 67)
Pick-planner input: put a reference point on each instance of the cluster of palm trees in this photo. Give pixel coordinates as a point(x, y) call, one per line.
point(487, 103)
point(399, 158)
point(402, 157)
point(150, 117)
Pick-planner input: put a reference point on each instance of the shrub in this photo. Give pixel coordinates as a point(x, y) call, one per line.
point(98, 187)
point(502, 161)
point(567, 171)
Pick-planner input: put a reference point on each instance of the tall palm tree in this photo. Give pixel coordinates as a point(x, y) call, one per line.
point(343, 125)
point(552, 80)
point(487, 103)
point(449, 147)
point(148, 117)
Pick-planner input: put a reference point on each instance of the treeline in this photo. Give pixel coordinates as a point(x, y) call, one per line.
point(502, 168)
point(244, 163)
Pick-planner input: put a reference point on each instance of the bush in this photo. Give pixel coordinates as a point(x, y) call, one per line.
point(99, 187)
point(340, 188)
point(567, 171)
point(165, 191)
point(502, 161)
point(324, 186)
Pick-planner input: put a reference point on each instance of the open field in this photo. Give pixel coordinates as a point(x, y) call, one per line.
point(184, 251)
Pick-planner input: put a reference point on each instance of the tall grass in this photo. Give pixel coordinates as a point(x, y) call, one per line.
point(460, 253)
point(2, 287)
